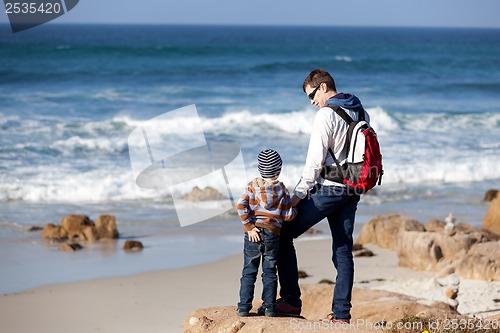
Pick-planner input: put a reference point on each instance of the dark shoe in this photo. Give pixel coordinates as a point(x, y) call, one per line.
point(243, 312)
point(285, 309)
point(268, 312)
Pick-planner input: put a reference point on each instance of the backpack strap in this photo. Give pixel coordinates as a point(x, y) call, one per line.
point(338, 110)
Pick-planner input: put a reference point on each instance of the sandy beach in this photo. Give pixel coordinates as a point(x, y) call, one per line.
point(160, 301)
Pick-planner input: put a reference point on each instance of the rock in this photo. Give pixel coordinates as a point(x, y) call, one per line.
point(208, 193)
point(490, 195)
point(487, 236)
point(449, 227)
point(54, 233)
point(90, 233)
point(384, 230)
point(491, 221)
point(132, 245)
point(74, 225)
point(303, 275)
point(326, 281)
point(434, 226)
point(70, 247)
point(481, 262)
point(426, 250)
point(363, 253)
point(369, 306)
point(35, 228)
point(193, 321)
point(357, 247)
point(235, 327)
point(106, 226)
point(465, 228)
point(450, 293)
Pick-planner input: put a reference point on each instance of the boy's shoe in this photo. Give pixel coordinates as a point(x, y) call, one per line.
point(285, 309)
point(332, 318)
point(268, 312)
point(243, 312)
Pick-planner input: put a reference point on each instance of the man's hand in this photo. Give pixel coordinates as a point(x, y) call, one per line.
point(295, 200)
point(253, 235)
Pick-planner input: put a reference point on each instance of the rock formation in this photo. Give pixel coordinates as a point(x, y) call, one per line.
point(383, 230)
point(470, 252)
point(206, 194)
point(491, 221)
point(373, 309)
point(81, 228)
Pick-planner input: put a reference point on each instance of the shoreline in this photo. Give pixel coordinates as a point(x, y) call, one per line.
point(159, 301)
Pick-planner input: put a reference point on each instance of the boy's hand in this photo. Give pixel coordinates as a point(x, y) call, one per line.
point(253, 235)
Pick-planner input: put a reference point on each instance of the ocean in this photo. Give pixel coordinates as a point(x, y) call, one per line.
point(70, 96)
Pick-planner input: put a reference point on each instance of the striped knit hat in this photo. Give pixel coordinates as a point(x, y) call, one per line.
point(269, 163)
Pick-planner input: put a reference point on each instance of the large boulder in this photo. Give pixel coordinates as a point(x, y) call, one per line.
point(106, 226)
point(384, 230)
point(371, 309)
point(74, 225)
point(428, 251)
point(491, 221)
point(481, 262)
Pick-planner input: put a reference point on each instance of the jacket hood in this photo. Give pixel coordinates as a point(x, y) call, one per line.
point(268, 193)
point(347, 101)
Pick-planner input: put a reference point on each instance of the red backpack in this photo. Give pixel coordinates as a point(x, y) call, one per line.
point(363, 167)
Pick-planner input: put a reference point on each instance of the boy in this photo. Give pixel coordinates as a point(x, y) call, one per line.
point(263, 206)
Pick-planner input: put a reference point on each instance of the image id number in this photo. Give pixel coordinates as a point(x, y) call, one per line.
point(32, 8)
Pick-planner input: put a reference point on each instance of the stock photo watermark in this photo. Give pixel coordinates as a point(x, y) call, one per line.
point(424, 326)
point(180, 160)
point(27, 14)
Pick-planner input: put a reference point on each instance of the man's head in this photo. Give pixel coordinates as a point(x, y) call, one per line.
point(269, 163)
point(319, 86)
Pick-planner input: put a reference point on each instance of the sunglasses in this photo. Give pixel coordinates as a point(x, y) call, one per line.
point(313, 93)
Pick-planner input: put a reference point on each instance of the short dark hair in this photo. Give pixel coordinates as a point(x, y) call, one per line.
point(318, 76)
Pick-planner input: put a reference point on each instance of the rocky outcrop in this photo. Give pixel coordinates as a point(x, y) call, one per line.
point(481, 262)
point(471, 252)
point(384, 230)
point(106, 226)
point(491, 221)
point(206, 194)
point(74, 225)
point(81, 228)
point(371, 308)
point(425, 251)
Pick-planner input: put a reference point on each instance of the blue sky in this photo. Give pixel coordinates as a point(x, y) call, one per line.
point(415, 13)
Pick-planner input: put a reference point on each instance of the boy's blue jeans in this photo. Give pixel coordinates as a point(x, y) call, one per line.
point(268, 249)
point(335, 204)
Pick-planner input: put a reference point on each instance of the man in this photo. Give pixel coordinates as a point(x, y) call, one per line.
point(318, 198)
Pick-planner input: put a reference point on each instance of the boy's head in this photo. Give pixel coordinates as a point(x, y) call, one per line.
point(269, 163)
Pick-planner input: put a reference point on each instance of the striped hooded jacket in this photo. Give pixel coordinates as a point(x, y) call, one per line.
point(265, 204)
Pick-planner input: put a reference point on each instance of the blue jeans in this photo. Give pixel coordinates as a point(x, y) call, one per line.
point(268, 249)
point(335, 204)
